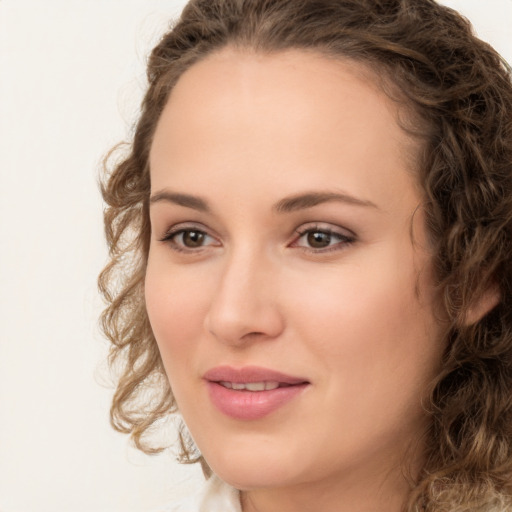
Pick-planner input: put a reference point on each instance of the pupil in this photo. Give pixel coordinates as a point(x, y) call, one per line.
point(318, 240)
point(193, 238)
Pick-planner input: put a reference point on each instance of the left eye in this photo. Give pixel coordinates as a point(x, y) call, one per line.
point(321, 239)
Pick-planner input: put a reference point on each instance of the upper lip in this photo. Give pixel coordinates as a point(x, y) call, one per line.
point(249, 374)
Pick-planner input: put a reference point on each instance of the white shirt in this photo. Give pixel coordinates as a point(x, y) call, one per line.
point(216, 496)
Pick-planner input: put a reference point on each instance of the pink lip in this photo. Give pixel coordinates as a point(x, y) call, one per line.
point(251, 405)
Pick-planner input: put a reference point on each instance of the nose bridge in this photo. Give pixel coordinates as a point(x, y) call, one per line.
point(244, 302)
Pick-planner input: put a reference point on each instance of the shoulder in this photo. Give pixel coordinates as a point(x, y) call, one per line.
point(215, 496)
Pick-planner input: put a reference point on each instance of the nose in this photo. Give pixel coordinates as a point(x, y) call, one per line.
point(244, 306)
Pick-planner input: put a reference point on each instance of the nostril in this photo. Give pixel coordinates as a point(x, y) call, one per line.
point(241, 313)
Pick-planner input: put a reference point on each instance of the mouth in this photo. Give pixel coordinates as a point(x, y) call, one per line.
point(253, 378)
point(254, 386)
point(251, 393)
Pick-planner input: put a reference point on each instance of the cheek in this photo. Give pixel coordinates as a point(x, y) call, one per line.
point(176, 306)
point(367, 323)
point(377, 347)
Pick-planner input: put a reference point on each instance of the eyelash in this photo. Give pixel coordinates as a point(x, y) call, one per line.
point(174, 232)
point(344, 240)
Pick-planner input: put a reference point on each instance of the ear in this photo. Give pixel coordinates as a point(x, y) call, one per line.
point(487, 301)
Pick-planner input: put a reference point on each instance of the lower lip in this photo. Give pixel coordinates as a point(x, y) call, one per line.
point(251, 405)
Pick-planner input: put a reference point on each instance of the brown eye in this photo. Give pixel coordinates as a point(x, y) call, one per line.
point(192, 239)
point(188, 239)
point(318, 239)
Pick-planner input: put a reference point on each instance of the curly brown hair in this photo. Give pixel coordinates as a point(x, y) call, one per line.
point(460, 91)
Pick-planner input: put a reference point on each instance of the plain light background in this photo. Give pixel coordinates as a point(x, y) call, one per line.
point(71, 78)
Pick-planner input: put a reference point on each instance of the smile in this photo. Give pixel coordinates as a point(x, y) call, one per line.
point(251, 393)
point(251, 386)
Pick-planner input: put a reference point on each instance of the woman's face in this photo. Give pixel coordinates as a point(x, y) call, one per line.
point(288, 282)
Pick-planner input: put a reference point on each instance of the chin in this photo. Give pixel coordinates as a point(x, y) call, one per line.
point(250, 478)
point(253, 468)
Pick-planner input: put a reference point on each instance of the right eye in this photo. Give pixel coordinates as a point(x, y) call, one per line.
point(188, 239)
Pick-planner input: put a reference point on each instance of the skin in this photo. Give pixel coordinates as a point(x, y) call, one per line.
point(242, 132)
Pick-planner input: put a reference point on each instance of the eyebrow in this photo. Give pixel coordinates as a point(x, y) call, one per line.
point(187, 200)
point(310, 199)
point(287, 205)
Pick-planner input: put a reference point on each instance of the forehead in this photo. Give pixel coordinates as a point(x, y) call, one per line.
point(271, 114)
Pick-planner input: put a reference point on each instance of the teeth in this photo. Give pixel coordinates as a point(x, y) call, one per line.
point(255, 386)
point(250, 386)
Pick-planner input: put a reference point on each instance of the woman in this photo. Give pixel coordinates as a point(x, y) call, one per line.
point(311, 240)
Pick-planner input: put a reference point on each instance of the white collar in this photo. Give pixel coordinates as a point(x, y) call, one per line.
point(215, 496)
point(218, 496)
